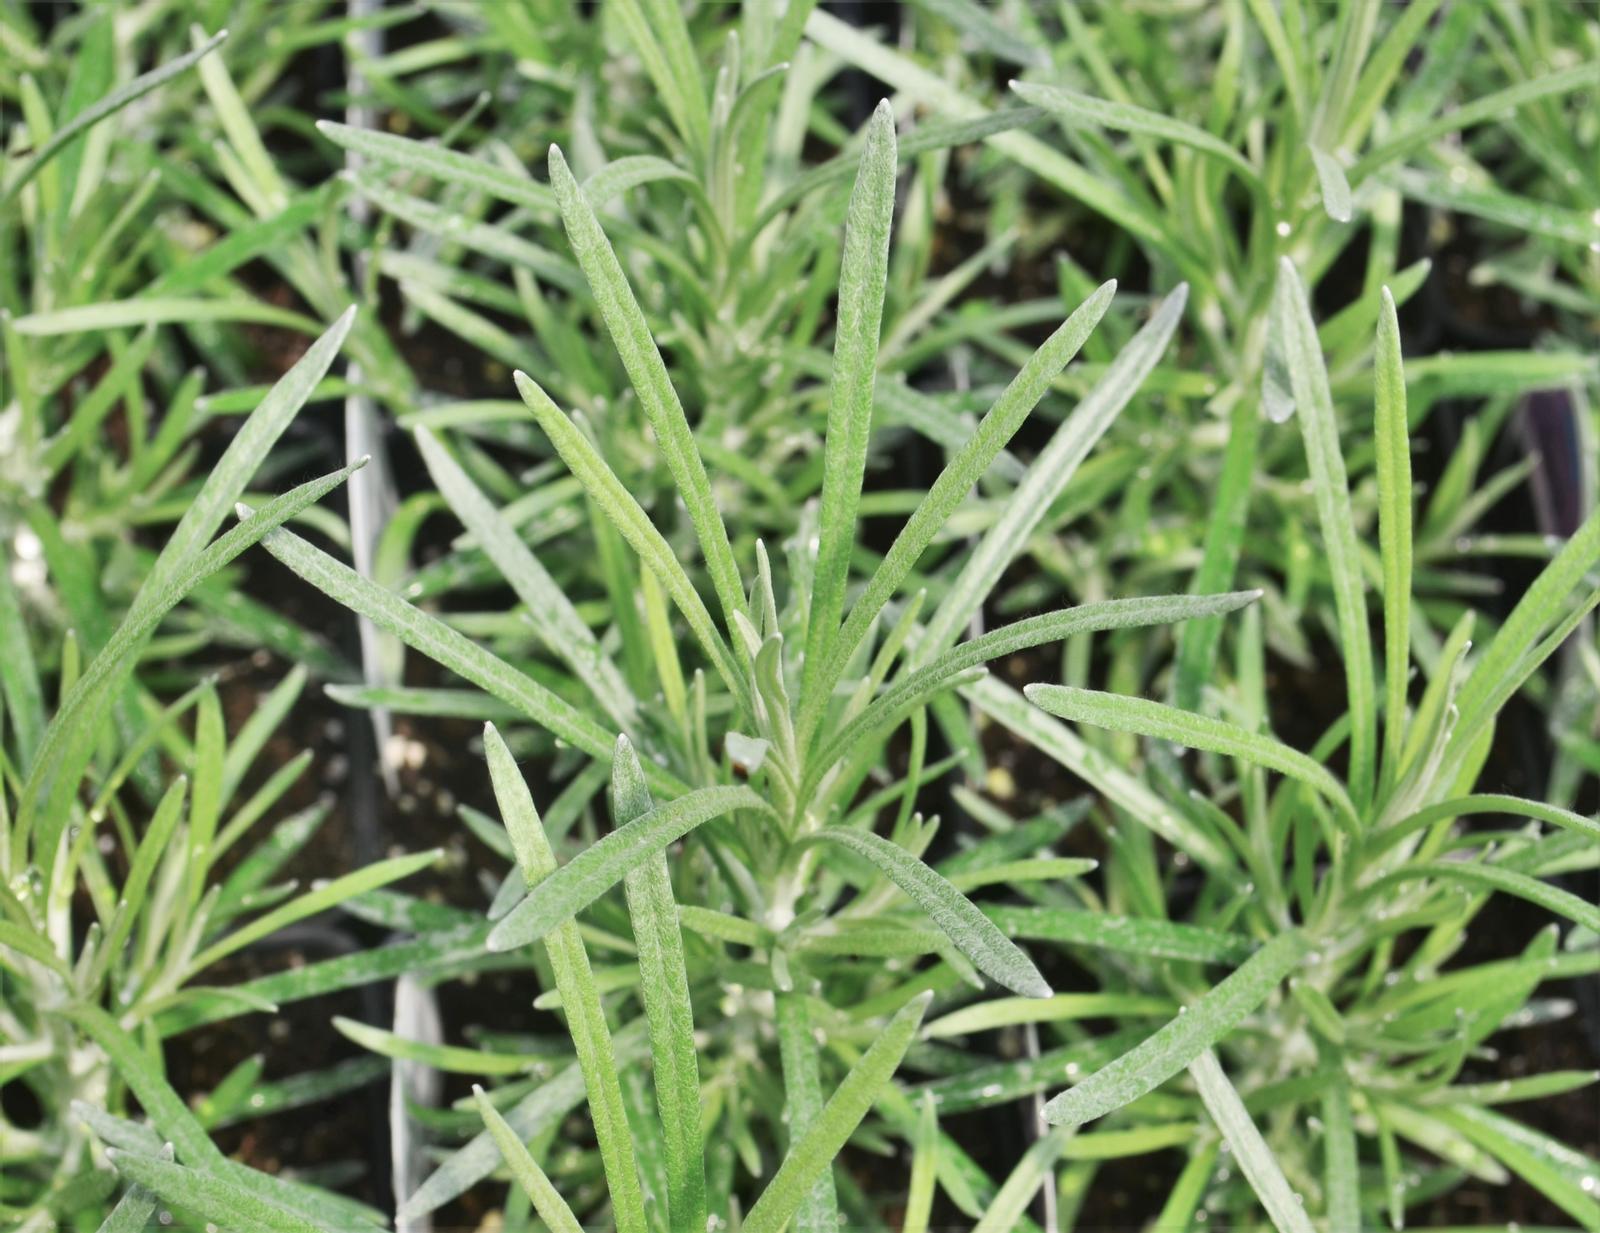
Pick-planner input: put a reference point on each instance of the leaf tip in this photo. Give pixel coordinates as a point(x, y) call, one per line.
point(496, 942)
point(1033, 985)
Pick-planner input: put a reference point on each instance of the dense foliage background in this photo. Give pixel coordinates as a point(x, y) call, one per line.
point(456, 458)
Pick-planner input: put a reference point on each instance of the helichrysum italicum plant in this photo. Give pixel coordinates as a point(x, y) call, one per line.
point(84, 1005)
point(801, 680)
point(1338, 1045)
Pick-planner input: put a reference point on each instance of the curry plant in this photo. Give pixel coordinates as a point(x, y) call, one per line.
point(1339, 1044)
point(84, 1004)
point(793, 682)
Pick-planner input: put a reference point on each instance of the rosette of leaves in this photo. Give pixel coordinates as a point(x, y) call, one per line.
point(1340, 1061)
point(760, 719)
point(114, 907)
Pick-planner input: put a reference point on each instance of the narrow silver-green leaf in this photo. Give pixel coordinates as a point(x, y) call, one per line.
point(1319, 427)
point(163, 1106)
point(599, 867)
point(1335, 188)
point(849, 1103)
point(1256, 1161)
point(1048, 475)
point(1168, 723)
point(802, 1104)
point(109, 105)
point(1147, 1066)
point(863, 280)
point(1047, 627)
point(664, 985)
point(586, 1016)
point(212, 1196)
point(998, 426)
point(619, 506)
point(973, 933)
point(1508, 881)
point(557, 621)
point(1392, 437)
point(1086, 111)
point(547, 1201)
point(647, 372)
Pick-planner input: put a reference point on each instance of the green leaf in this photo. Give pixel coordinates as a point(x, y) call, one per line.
point(1335, 188)
point(558, 622)
point(328, 895)
point(1564, 1176)
point(973, 933)
point(132, 1213)
point(664, 985)
point(1495, 877)
point(924, 1168)
point(64, 737)
point(1255, 1158)
point(660, 35)
point(541, 1110)
point(1391, 435)
point(1189, 1191)
point(109, 105)
point(1341, 1164)
point(1010, 1204)
point(1186, 1038)
point(1128, 935)
point(33, 946)
point(1048, 475)
point(802, 1104)
point(450, 649)
point(1493, 106)
point(1035, 869)
point(205, 800)
point(20, 690)
point(630, 332)
point(625, 513)
point(1005, 1012)
point(827, 1136)
point(1168, 723)
point(586, 1016)
point(142, 311)
point(441, 163)
point(163, 823)
point(911, 690)
point(1128, 791)
point(212, 1197)
point(599, 867)
point(863, 279)
point(1086, 111)
point(1463, 806)
point(1319, 426)
point(1505, 660)
point(951, 488)
point(451, 1058)
point(552, 1208)
point(163, 1106)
